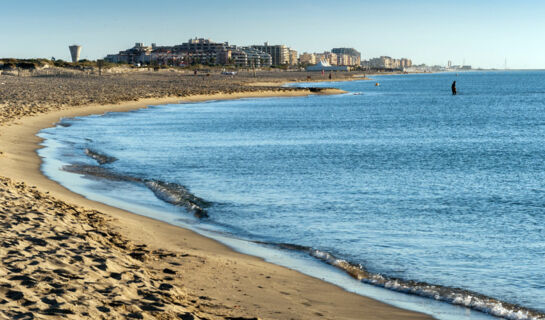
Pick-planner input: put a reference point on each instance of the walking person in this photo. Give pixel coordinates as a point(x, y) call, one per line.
point(453, 87)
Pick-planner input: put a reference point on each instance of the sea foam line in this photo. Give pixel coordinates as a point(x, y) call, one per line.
point(455, 296)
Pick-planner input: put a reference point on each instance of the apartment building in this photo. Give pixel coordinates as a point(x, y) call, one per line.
point(239, 58)
point(280, 54)
point(293, 57)
point(307, 58)
point(329, 57)
point(257, 58)
point(137, 54)
point(385, 62)
point(201, 45)
point(347, 56)
point(406, 63)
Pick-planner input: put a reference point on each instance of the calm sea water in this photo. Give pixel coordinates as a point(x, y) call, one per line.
point(402, 185)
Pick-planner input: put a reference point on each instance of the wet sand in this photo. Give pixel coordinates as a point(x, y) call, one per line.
point(64, 255)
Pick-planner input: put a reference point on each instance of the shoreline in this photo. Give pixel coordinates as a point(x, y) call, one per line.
point(300, 295)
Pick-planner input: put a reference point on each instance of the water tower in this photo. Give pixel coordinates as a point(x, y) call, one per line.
point(75, 50)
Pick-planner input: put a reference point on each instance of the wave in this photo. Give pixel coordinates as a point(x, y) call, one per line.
point(172, 193)
point(179, 196)
point(455, 296)
point(99, 157)
point(66, 122)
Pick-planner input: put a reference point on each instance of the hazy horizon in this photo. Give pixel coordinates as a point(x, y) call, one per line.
point(490, 34)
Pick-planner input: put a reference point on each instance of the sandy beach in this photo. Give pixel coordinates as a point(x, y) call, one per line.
point(66, 256)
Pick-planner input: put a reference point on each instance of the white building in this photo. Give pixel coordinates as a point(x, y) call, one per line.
point(325, 66)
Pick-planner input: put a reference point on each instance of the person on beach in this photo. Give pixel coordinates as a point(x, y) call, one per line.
point(453, 87)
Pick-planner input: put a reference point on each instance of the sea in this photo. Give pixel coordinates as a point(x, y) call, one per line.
point(396, 190)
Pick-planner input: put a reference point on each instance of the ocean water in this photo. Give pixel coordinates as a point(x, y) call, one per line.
point(402, 186)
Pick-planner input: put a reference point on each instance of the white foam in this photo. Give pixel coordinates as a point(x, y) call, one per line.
point(453, 296)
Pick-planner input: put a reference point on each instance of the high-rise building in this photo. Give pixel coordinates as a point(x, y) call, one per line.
point(75, 51)
point(385, 62)
point(240, 58)
point(280, 53)
point(224, 57)
point(381, 62)
point(307, 58)
point(329, 57)
point(332, 58)
point(137, 54)
point(201, 45)
point(344, 60)
point(355, 56)
point(406, 63)
point(293, 58)
point(257, 58)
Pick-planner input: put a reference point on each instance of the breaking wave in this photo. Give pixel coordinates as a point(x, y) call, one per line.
point(172, 193)
point(178, 195)
point(455, 296)
point(99, 157)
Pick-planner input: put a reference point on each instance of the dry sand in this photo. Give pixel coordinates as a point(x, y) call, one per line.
point(65, 256)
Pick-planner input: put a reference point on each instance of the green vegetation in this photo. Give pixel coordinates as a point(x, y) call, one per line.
point(33, 64)
point(85, 65)
point(281, 67)
point(26, 64)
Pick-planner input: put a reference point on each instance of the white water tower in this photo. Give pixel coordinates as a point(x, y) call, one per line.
point(75, 50)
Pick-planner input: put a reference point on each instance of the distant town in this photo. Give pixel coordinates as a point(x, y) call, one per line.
point(200, 51)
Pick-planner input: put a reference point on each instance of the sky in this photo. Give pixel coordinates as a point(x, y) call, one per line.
point(481, 33)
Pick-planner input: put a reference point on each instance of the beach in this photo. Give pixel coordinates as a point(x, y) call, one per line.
point(64, 255)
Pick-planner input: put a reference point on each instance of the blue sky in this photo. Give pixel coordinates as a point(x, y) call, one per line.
point(482, 33)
